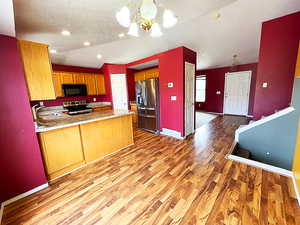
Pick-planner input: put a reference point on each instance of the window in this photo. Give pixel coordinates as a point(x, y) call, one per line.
point(200, 88)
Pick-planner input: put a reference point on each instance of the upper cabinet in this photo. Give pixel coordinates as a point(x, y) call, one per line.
point(94, 82)
point(38, 70)
point(146, 74)
point(100, 84)
point(297, 72)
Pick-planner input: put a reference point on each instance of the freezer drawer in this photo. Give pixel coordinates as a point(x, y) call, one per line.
point(147, 122)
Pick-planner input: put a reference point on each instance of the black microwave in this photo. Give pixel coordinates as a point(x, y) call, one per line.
point(74, 90)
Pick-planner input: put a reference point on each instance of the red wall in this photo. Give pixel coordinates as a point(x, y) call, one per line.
point(215, 81)
point(277, 61)
point(21, 167)
point(171, 69)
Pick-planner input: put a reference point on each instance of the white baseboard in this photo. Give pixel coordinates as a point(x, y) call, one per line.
point(18, 197)
point(263, 166)
point(296, 189)
point(171, 133)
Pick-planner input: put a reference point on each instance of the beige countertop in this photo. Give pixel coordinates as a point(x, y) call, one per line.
point(51, 120)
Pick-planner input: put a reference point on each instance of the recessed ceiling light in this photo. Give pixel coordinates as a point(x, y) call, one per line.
point(121, 35)
point(86, 43)
point(53, 51)
point(99, 56)
point(216, 15)
point(66, 33)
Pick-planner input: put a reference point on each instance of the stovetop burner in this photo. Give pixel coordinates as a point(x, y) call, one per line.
point(76, 107)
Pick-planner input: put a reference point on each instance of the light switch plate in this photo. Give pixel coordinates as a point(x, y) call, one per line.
point(170, 85)
point(94, 99)
point(265, 84)
point(218, 92)
point(173, 98)
point(41, 103)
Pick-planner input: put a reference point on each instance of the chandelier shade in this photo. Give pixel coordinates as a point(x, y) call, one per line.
point(123, 16)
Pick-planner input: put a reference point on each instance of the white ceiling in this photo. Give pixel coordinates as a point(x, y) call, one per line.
point(237, 31)
point(7, 22)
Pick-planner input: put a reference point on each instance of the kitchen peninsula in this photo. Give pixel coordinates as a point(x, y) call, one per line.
point(69, 142)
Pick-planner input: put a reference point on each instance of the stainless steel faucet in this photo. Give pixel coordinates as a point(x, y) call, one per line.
point(35, 110)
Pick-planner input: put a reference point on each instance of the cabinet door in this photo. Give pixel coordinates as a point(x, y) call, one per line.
point(104, 108)
point(57, 84)
point(38, 70)
point(100, 84)
point(139, 76)
point(78, 78)
point(62, 150)
point(90, 84)
point(152, 73)
point(67, 78)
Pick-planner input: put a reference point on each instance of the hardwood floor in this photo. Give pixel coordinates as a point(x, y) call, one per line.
point(163, 181)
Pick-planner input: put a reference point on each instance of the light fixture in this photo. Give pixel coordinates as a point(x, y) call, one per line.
point(169, 19)
point(99, 56)
point(52, 51)
point(133, 30)
point(123, 16)
point(121, 35)
point(216, 15)
point(66, 33)
point(145, 16)
point(155, 30)
point(148, 10)
point(86, 43)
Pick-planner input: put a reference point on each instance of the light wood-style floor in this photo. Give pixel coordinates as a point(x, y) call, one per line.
point(164, 181)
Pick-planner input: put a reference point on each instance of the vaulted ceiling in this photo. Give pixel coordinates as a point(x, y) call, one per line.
point(237, 31)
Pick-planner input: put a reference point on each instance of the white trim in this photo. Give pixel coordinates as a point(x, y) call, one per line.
point(249, 116)
point(296, 189)
point(20, 196)
point(263, 166)
point(126, 87)
point(263, 120)
point(171, 133)
point(249, 86)
point(189, 101)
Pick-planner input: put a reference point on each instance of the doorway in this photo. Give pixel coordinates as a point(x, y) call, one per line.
point(119, 91)
point(236, 94)
point(189, 98)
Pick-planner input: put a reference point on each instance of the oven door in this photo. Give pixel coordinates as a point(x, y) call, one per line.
point(74, 90)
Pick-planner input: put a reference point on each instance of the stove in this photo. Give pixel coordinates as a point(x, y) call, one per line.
point(76, 107)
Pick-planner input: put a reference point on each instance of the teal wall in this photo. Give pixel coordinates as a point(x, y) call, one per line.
point(277, 137)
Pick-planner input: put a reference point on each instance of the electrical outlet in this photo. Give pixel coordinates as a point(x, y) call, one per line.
point(218, 92)
point(94, 99)
point(41, 103)
point(170, 85)
point(265, 85)
point(173, 98)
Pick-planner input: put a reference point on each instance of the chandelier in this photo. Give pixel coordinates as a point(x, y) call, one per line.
point(145, 16)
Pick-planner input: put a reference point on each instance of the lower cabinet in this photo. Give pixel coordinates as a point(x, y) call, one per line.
point(68, 148)
point(103, 108)
point(62, 150)
point(106, 136)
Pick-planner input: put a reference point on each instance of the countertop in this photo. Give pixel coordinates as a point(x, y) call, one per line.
point(55, 119)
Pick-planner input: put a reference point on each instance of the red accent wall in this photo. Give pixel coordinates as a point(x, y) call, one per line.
point(21, 167)
point(215, 81)
point(131, 84)
point(277, 62)
point(171, 69)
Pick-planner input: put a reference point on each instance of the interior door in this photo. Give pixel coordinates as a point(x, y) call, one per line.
point(236, 95)
point(119, 91)
point(189, 98)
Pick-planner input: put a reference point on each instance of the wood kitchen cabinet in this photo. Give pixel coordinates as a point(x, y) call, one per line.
point(62, 150)
point(38, 70)
point(90, 82)
point(100, 84)
point(104, 137)
point(78, 78)
point(133, 108)
point(146, 74)
point(57, 81)
point(102, 108)
point(67, 78)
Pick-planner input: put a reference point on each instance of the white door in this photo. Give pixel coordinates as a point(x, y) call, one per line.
point(236, 95)
point(189, 98)
point(119, 91)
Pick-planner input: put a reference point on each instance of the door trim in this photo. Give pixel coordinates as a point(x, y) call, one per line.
point(185, 98)
point(249, 88)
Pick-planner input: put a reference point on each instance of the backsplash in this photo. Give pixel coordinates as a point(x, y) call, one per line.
point(60, 100)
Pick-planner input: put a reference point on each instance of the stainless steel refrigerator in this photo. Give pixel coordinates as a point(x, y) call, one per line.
point(147, 100)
